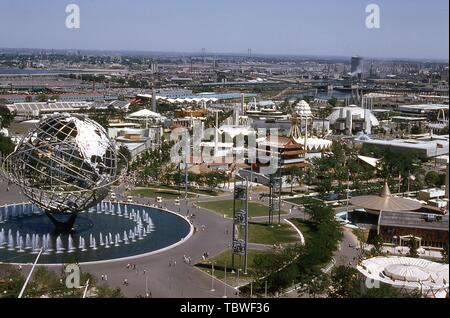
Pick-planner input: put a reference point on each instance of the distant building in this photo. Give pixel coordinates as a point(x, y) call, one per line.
point(430, 230)
point(422, 109)
point(175, 93)
point(424, 148)
point(36, 110)
point(356, 66)
point(290, 153)
point(137, 140)
point(352, 119)
point(94, 97)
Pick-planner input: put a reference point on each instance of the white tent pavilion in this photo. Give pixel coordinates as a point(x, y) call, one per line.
point(144, 114)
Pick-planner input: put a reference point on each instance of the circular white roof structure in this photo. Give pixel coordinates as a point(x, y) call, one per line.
point(339, 112)
point(409, 273)
point(302, 109)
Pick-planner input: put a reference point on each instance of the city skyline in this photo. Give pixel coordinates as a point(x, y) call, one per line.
point(420, 31)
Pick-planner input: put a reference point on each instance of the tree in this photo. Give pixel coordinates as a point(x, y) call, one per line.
point(394, 163)
point(416, 130)
point(333, 101)
point(344, 282)
point(42, 98)
point(434, 179)
point(444, 253)
point(6, 145)
point(28, 99)
point(413, 247)
point(11, 281)
point(124, 157)
point(388, 291)
point(6, 117)
point(307, 98)
point(314, 282)
point(377, 246)
point(293, 175)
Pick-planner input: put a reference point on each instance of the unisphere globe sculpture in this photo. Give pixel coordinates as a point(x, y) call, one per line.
point(64, 165)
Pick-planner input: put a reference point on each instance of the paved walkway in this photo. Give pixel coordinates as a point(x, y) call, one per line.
point(180, 280)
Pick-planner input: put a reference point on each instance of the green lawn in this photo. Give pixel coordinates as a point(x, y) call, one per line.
point(307, 228)
point(264, 234)
point(225, 258)
point(193, 190)
point(226, 207)
point(169, 193)
point(302, 200)
point(153, 193)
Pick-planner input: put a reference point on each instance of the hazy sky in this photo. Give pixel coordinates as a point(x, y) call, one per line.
point(409, 28)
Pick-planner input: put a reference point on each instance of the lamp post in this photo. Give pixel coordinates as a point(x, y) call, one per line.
point(265, 289)
point(225, 291)
point(86, 289)
point(212, 277)
point(238, 280)
point(146, 285)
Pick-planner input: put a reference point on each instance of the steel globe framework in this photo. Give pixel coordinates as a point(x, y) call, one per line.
point(64, 165)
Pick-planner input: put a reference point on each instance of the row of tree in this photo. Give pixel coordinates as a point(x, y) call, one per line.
point(342, 168)
point(299, 263)
point(50, 283)
point(155, 167)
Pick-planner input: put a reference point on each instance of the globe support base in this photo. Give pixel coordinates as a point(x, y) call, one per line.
point(66, 226)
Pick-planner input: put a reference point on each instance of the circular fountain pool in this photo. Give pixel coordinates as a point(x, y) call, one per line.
point(108, 231)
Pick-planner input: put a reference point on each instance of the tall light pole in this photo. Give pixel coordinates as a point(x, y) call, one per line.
point(225, 292)
point(265, 290)
point(85, 289)
point(186, 167)
point(146, 285)
point(212, 277)
point(238, 280)
point(240, 221)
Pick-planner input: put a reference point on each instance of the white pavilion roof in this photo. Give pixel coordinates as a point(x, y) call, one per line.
point(303, 109)
point(144, 113)
point(406, 272)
